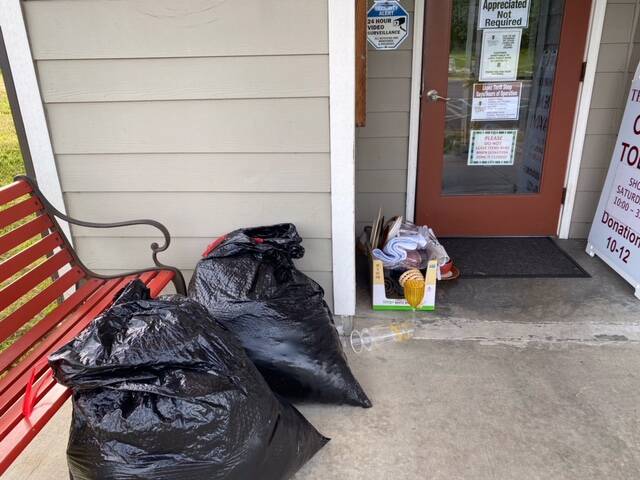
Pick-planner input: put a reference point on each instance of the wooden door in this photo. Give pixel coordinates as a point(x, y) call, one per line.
point(482, 172)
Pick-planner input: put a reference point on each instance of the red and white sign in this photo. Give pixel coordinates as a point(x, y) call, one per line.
point(496, 101)
point(615, 232)
point(492, 147)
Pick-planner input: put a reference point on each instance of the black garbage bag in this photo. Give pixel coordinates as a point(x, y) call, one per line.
point(248, 281)
point(163, 391)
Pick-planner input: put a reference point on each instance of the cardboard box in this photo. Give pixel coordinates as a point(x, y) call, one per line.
point(379, 295)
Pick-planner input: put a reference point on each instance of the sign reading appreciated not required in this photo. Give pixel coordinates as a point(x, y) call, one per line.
point(387, 25)
point(503, 14)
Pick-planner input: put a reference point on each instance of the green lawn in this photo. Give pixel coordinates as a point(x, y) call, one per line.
point(10, 157)
point(11, 164)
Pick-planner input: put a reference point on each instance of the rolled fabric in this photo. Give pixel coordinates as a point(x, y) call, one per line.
point(395, 250)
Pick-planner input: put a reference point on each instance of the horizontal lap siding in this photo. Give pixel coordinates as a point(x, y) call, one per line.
point(283, 76)
point(261, 125)
point(119, 253)
point(169, 28)
point(204, 214)
point(206, 115)
point(382, 145)
point(613, 76)
point(324, 279)
point(200, 172)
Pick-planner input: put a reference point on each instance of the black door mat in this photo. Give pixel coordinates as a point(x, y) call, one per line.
point(517, 257)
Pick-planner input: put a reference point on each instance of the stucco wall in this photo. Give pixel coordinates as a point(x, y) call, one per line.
point(617, 60)
point(206, 115)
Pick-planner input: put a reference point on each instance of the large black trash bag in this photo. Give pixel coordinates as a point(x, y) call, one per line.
point(163, 391)
point(249, 283)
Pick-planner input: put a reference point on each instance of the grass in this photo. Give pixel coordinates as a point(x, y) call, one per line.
point(12, 164)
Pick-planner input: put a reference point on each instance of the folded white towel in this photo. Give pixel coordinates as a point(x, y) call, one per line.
point(395, 250)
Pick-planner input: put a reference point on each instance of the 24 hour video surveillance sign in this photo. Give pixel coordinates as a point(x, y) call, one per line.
point(387, 25)
point(615, 232)
point(504, 14)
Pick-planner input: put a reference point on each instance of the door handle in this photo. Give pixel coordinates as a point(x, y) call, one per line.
point(434, 96)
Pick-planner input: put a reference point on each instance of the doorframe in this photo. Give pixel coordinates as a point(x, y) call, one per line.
point(29, 104)
point(414, 109)
point(596, 24)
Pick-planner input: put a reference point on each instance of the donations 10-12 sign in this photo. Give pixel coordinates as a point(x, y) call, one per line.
point(615, 233)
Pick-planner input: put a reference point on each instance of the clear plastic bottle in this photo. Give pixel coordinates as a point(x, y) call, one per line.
point(371, 337)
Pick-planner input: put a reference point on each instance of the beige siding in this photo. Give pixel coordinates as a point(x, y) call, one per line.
point(381, 146)
point(261, 125)
point(200, 78)
point(206, 115)
point(204, 214)
point(118, 253)
point(198, 172)
point(613, 74)
point(166, 28)
point(324, 279)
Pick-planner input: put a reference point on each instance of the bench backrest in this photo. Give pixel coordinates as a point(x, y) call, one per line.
point(37, 266)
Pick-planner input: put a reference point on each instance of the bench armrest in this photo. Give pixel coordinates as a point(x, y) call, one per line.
point(54, 213)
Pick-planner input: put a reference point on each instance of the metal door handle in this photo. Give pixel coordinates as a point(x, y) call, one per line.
point(434, 96)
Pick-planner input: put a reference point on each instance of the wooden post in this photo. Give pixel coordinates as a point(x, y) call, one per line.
point(361, 63)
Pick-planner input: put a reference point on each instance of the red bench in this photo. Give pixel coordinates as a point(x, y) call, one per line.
point(29, 396)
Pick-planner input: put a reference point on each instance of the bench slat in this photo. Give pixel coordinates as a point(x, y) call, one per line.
point(159, 282)
point(12, 380)
point(37, 226)
point(14, 413)
point(24, 343)
point(14, 190)
point(13, 385)
point(11, 401)
point(19, 211)
point(26, 429)
point(31, 279)
point(26, 257)
point(38, 303)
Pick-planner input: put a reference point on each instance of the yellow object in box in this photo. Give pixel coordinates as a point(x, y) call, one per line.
point(414, 291)
point(382, 302)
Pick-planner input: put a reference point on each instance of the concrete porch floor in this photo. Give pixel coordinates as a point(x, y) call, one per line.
point(509, 379)
point(460, 410)
point(516, 310)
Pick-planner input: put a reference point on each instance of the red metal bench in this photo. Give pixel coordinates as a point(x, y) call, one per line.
point(29, 396)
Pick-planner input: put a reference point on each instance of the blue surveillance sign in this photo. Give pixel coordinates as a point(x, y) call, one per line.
point(387, 25)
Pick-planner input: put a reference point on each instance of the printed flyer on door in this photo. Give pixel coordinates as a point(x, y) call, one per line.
point(496, 101)
point(492, 147)
point(500, 55)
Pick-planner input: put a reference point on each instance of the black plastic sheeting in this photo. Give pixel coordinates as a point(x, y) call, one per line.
point(163, 391)
point(249, 283)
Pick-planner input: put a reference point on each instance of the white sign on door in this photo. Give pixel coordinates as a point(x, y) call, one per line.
point(500, 55)
point(496, 101)
point(387, 25)
point(492, 147)
point(537, 125)
point(615, 232)
point(503, 14)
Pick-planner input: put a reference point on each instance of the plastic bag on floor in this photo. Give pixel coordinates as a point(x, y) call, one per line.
point(163, 391)
point(248, 282)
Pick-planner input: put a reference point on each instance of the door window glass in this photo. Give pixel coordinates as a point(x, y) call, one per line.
point(500, 88)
